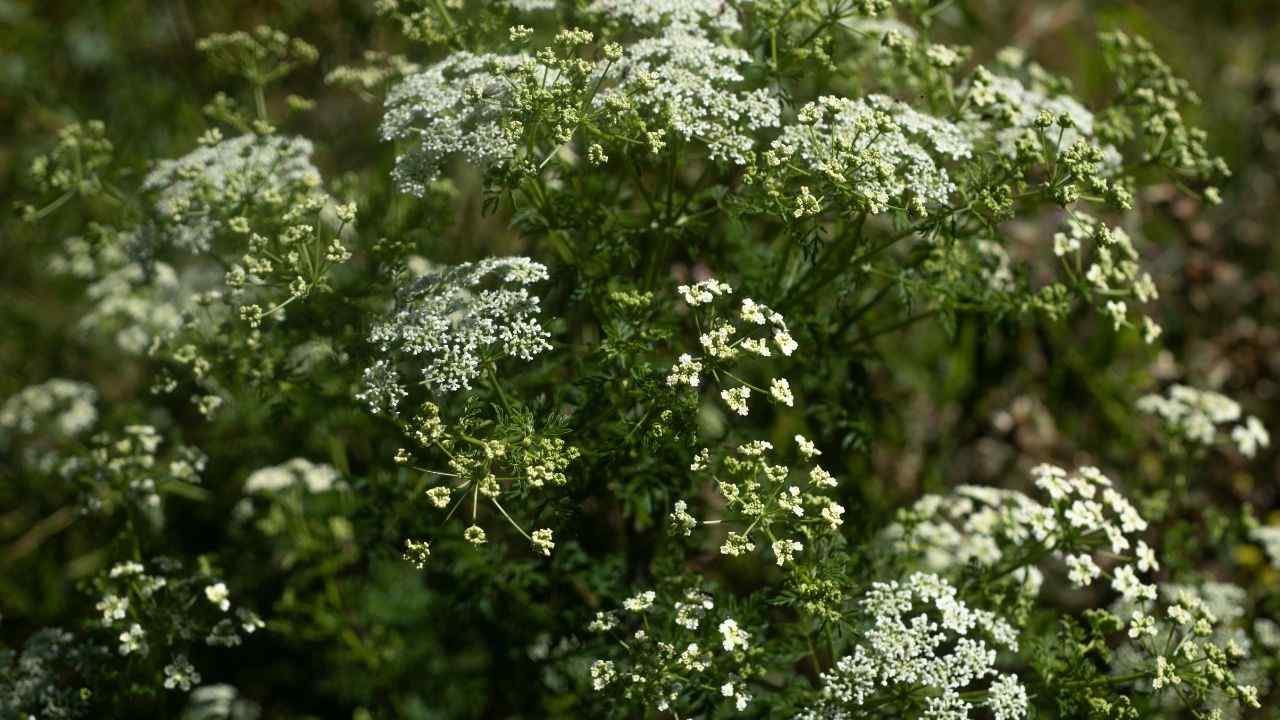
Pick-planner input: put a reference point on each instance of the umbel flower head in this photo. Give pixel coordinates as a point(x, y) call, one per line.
point(868, 148)
point(455, 321)
point(693, 86)
point(192, 190)
point(682, 16)
point(922, 636)
point(453, 108)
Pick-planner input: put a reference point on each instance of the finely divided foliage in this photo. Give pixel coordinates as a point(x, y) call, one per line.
point(640, 442)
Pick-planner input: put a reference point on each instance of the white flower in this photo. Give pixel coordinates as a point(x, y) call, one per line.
point(112, 608)
point(1126, 582)
point(126, 568)
point(736, 398)
point(1165, 674)
point(692, 86)
point(602, 673)
point(455, 108)
point(454, 322)
point(690, 610)
point(63, 406)
point(703, 293)
point(718, 343)
point(821, 478)
point(218, 595)
point(736, 544)
point(733, 636)
point(751, 312)
point(133, 640)
point(640, 602)
point(832, 513)
point(1064, 244)
point(180, 674)
point(674, 16)
point(918, 636)
point(1146, 558)
point(681, 519)
point(786, 344)
point(439, 496)
point(1150, 330)
point(685, 371)
point(872, 145)
point(474, 535)
point(1007, 698)
point(316, 478)
point(191, 191)
point(542, 541)
point(1251, 436)
point(1142, 624)
point(1117, 310)
point(1082, 570)
point(807, 448)
point(692, 658)
point(786, 550)
point(780, 389)
point(417, 552)
point(604, 622)
point(700, 461)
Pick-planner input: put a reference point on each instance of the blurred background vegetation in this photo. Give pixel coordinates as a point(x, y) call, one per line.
point(994, 399)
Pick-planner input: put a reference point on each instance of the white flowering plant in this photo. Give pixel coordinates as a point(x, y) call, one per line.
point(629, 359)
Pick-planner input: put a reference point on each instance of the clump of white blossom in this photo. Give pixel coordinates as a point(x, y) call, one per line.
point(692, 85)
point(728, 337)
point(160, 606)
point(298, 472)
point(672, 16)
point(455, 323)
point(867, 151)
point(193, 192)
point(766, 504)
point(66, 407)
point(455, 108)
point(495, 471)
point(669, 651)
point(1202, 417)
point(920, 636)
point(1085, 523)
point(1191, 642)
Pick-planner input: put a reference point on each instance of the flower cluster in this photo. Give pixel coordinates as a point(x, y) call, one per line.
point(869, 152)
point(161, 606)
point(1105, 259)
point(765, 501)
point(691, 86)
point(672, 16)
point(1007, 533)
point(200, 193)
point(1195, 416)
point(298, 472)
point(46, 678)
point(1021, 114)
point(753, 331)
point(65, 407)
point(455, 324)
point(514, 463)
point(675, 654)
point(1189, 646)
point(135, 300)
point(129, 468)
point(455, 108)
point(921, 636)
